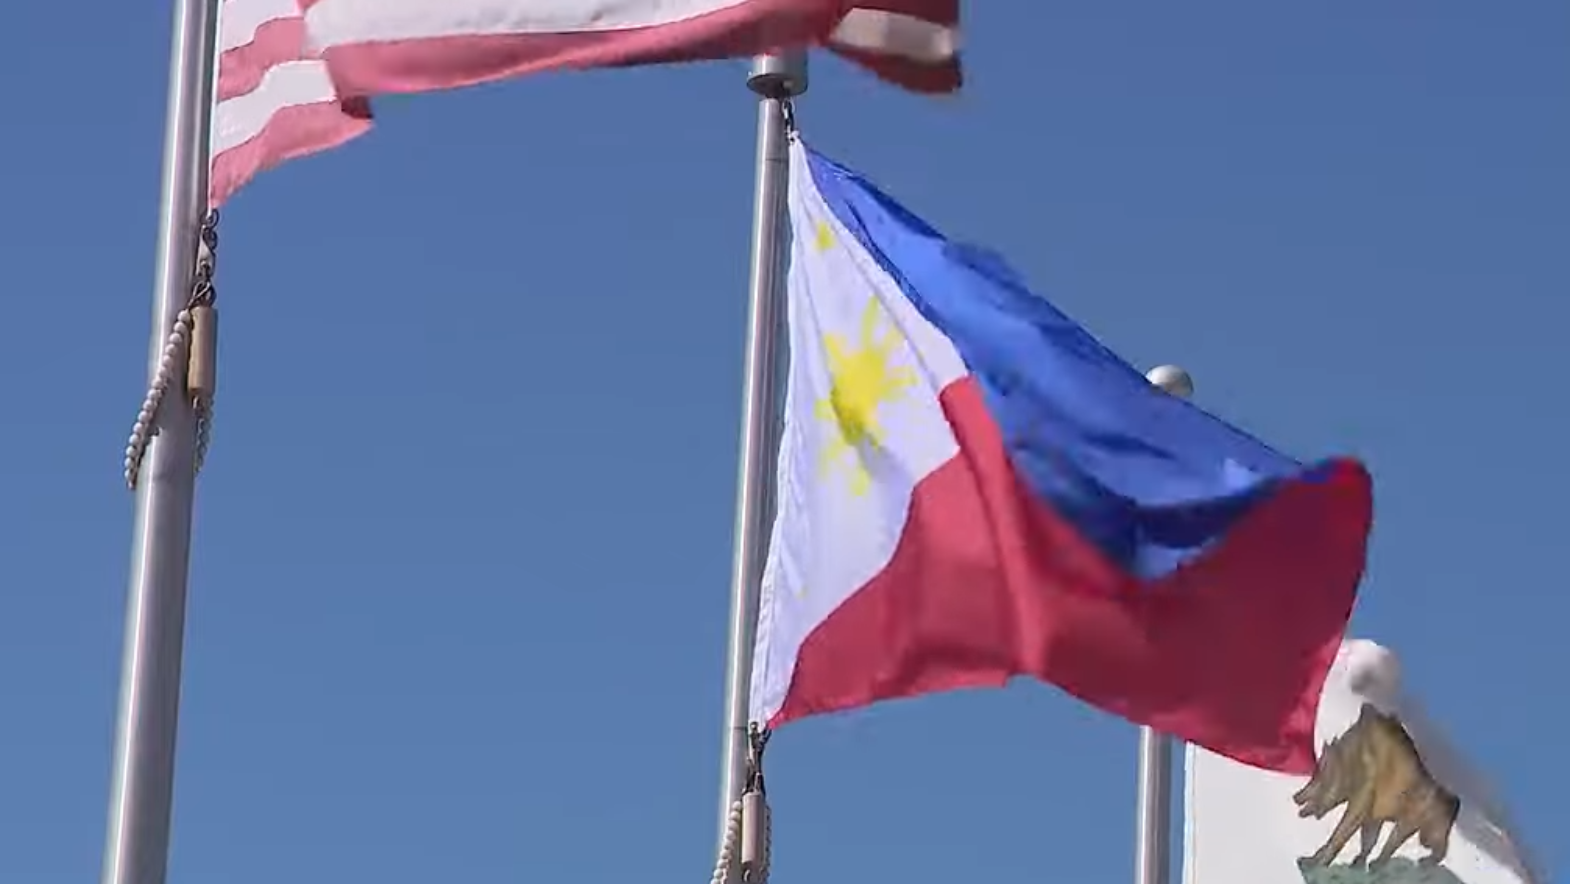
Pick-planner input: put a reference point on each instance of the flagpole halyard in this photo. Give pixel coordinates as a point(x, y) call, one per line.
point(776, 79)
point(142, 788)
point(1153, 811)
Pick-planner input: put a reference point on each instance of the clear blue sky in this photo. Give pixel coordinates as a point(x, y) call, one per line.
point(459, 587)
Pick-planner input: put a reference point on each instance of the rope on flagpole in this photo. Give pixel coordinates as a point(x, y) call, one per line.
point(194, 337)
point(728, 846)
point(749, 826)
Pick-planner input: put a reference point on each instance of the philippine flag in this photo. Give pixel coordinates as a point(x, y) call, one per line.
point(972, 488)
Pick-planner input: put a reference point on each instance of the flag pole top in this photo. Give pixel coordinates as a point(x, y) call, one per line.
point(778, 76)
point(1172, 378)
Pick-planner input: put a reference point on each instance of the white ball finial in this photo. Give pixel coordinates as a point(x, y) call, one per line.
point(1172, 379)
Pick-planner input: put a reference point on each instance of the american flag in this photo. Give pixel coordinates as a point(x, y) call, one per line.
point(277, 98)
point(382, 46)
point(273, 100)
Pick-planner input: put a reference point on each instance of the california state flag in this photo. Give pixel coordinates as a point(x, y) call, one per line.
point(1389, 801)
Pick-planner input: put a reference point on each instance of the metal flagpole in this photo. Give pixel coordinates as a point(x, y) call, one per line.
point(141, 793)
point(1152, 848)
point(776, 79)
point(1152, 852)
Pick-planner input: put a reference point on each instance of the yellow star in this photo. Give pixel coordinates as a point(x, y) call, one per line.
point(825, 236)
point(861, 379)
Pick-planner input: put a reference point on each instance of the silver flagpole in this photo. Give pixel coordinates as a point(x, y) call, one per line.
point(141, 795)
point(1152, 848)
point(776, 79)
point(1152, 851)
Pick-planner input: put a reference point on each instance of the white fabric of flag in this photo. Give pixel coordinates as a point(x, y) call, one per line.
point(863, 426)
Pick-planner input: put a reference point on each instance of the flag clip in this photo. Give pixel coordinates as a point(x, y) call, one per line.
point(191, 340)
point(756, 824)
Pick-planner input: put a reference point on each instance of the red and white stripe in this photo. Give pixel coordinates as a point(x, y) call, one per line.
point(381, 46)
point(273, 100)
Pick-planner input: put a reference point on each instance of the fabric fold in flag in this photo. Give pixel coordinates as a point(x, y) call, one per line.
point(1389, 799)
point(273, 99)
point(971, 488)
point(381, 46)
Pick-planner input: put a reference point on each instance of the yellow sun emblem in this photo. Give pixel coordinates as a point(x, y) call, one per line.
point(861, 379)
point(825, 236)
